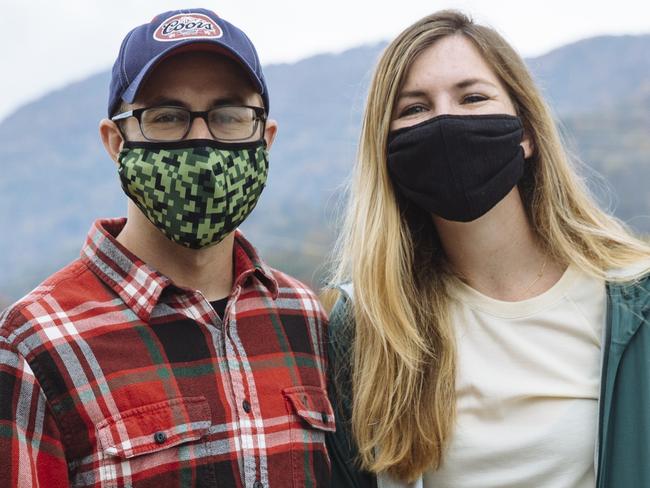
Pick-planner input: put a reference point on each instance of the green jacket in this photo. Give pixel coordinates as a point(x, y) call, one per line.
point(623, 450)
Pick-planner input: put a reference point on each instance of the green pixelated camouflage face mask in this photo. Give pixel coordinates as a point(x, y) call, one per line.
point(198, 191)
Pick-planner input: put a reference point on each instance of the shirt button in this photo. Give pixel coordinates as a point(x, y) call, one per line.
point(246, 406)
point(258, 484)
point(160, 437)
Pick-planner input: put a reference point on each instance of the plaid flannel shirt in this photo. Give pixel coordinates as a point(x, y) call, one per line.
point(111, 375)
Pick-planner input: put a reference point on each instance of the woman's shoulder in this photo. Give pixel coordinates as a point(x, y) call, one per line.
point(341, 320)
point(631, 287)
point(347, 289)
point(638, 271)
point(636, 275)
point(341, 313)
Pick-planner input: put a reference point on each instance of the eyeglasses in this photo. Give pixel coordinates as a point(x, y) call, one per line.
point(228, 123)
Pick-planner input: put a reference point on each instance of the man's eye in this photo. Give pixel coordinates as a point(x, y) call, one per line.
point(474, 98)
point(223, 119)
point(167, 118)
point(229, 117)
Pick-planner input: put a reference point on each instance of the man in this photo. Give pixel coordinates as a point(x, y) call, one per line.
point(169, 354)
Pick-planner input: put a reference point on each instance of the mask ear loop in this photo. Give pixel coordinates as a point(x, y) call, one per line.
point(227, 176)
point(224, 170)
point(118, 124)
point(265, 163)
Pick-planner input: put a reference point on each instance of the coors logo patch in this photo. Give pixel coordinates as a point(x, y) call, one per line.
point(183, 26)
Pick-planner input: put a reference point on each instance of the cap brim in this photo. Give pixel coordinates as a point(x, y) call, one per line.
point(215, 46)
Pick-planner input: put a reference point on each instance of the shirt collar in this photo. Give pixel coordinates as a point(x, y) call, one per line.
point(248, 263)
point(138, 285)
point(141, 286)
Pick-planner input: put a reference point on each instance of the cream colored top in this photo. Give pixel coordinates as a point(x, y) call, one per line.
point(528, 384)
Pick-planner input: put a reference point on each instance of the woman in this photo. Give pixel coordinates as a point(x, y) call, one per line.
point(486, 339)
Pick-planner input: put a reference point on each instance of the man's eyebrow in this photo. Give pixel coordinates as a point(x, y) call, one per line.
point(167, 101)
point(228, 100)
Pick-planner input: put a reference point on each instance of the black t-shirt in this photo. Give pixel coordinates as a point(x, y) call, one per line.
point(220, 306)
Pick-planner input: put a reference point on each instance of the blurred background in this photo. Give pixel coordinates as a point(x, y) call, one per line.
point(591, 61)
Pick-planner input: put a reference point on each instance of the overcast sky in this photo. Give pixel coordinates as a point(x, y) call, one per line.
point(49, 43)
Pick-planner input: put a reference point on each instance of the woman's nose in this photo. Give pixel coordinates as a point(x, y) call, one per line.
point(444, 106)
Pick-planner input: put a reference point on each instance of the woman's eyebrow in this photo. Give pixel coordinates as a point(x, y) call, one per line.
point(411, 94)
point(473, 81)
point(466, 83)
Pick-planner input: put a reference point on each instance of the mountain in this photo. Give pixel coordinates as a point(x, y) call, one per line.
point(615, 143)
point(57, 179)
point(594, 74)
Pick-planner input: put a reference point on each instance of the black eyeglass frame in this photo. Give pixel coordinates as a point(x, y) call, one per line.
point(260, 116)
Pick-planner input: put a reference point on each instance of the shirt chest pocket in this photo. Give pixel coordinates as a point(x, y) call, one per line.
point(312, 417)
point(160, 442)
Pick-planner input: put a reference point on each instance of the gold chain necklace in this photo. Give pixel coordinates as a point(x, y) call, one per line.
point(538, 277)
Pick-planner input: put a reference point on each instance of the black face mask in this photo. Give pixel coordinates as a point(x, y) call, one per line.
point(457, 166)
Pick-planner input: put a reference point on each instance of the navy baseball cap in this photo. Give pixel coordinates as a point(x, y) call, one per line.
point(196, 28)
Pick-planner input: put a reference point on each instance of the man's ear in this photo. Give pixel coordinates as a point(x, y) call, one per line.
point(269, 132)
point(111, 138)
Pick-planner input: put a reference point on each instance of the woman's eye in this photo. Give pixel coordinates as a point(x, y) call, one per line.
point(412, 110)
point(474, 98)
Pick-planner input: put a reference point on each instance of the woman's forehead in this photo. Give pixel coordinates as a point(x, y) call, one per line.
point(448, 61)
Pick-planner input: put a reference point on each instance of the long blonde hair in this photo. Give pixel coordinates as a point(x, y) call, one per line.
point(403, 361)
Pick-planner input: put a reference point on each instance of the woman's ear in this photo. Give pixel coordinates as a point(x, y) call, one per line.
point(111, 137)
point(528, 145)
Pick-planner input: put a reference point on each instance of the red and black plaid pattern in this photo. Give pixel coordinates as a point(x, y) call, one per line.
point(111, 375)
